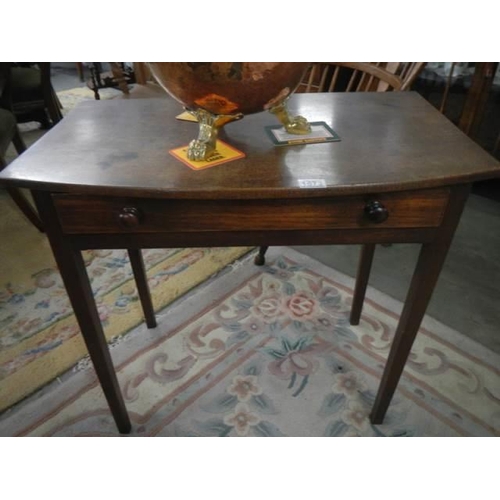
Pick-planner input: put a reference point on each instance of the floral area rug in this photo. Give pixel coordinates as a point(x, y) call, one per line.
point(270, 352)
point(39, 336)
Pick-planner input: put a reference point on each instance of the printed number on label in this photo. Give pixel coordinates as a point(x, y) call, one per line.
point(312, 183)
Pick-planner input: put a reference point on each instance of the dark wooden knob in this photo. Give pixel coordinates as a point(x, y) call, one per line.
point(129, 217)
point(376, 212)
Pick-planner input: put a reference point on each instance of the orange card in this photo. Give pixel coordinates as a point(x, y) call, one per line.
point(223, 154)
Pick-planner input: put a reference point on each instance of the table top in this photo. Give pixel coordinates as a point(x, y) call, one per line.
point(390, 141)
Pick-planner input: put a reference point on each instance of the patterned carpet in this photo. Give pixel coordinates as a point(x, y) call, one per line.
point(270, 352)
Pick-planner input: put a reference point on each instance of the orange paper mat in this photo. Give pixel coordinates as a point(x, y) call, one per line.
point(224, 153)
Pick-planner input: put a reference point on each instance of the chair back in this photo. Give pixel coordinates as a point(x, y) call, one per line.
point(28, 93)
point(360, 76)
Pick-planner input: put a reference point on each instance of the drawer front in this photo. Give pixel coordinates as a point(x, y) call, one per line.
point(95, 214)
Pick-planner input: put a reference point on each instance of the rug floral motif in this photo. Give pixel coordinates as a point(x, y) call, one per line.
point(272, 353)
point(37, 322)
point(26, 312)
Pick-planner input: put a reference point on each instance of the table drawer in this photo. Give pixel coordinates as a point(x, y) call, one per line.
point(96, 214)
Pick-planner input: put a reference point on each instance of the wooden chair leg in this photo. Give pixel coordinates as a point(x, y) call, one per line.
point(26, 208)
point(119, 77)
point(53, 108)
point(260, 258)
point(79, 70)
point(141, 281)
point(95, 79)
point(42, 116)
point(19, 142)
point(18, 197)
point(364, 267)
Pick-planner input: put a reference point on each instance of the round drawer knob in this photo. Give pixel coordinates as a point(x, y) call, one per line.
point(129, 217)
point(376, 212)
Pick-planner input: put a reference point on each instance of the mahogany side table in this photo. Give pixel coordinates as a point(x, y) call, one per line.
point(104, 178)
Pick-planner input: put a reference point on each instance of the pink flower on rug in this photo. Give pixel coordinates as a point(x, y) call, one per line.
point(90, 255)
point(153, 282)
point(242, 419)
point(244, 387)
point(300, 306)
point(26, 326)
point(268, 308)
point(193, 256)
point(349, 383)
point(98, 271)
point(356, 415)
point(104, 312)
point(301, 363)
point(45, 278)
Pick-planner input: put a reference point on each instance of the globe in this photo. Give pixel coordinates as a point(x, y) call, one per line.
point(220, 92)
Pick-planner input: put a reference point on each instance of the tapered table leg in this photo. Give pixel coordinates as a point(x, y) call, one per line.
point(76, 281)
point(260, 258)
point(141, 281)
point(364, 267)
point(429, 264)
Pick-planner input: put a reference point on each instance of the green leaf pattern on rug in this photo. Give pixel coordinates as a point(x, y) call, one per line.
point(263, 404)
point(289, 324)
point(298, 322)
point(332, 404)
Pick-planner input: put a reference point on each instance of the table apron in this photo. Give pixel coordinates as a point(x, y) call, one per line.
point(251, 238)
point(80, 214)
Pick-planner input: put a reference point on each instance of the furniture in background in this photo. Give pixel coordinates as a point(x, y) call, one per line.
point(477, 96)
point(462, 92)
point(29, 94)
point(468, 94)
point(9, 132)
point(360, 76)
point(400, 174)
point(80, 70)
point(119, 76)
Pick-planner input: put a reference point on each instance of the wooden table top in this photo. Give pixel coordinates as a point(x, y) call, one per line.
point(390, 141)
